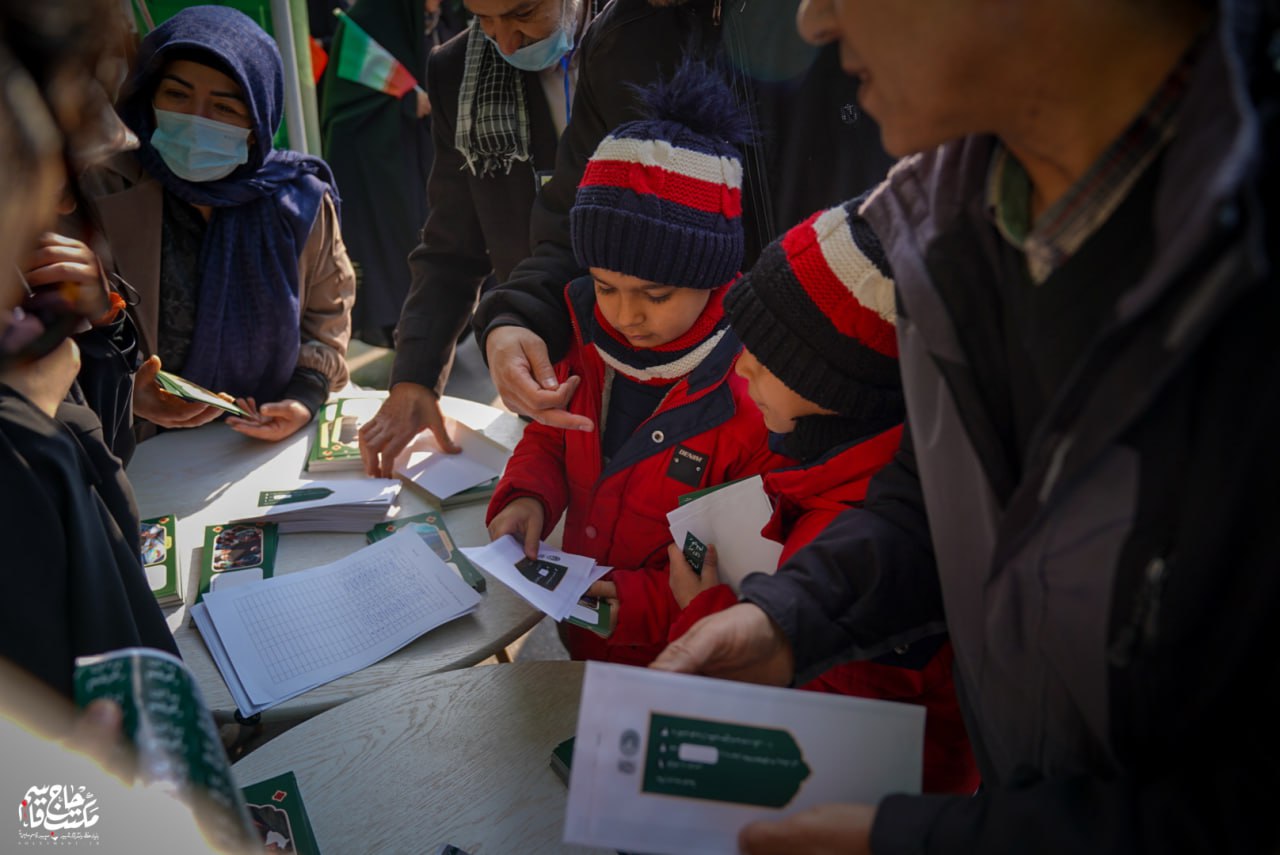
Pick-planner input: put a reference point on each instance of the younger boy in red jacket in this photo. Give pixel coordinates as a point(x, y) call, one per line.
point(815, 317)
point(658, 223)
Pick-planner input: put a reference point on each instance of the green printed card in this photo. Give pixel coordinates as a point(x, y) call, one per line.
point(235, 553)
point(279, 816)
point(430, 527)
point(593, 613)
point(160, 558)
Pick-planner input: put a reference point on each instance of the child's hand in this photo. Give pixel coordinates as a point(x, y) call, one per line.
point(686, 584)
point(522, 517)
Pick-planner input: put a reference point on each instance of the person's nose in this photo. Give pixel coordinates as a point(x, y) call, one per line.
point(816, 21)
point(508, 37)
point(632, 314)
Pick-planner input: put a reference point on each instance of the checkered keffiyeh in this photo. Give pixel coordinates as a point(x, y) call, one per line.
point(493, 120)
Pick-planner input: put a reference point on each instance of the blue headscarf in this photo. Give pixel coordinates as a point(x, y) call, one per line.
point(247, 315)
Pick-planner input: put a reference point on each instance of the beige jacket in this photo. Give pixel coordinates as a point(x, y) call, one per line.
point(129, 206)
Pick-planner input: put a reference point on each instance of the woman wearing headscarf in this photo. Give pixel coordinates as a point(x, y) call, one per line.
point(381, 151)
point(232, 246)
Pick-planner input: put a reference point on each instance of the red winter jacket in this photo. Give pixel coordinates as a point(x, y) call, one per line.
point(618, 514)
point(806, 499)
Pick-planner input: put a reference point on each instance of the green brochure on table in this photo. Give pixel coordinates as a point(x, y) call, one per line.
point(335, 441)
point(177, 743)
point(235, 553)
point(430, 527)
point(562, 760)
point(279, 816)
point(160, 558)
point(188, 391)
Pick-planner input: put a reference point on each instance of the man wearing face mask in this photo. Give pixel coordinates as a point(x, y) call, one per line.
point(233, 247)
point(500, 97)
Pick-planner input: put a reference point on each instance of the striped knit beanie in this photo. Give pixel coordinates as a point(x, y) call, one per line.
point(661, 198)
point(817, 310)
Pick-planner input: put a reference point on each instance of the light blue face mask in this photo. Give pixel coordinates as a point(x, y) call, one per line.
point(199, 149)
point(543, 54)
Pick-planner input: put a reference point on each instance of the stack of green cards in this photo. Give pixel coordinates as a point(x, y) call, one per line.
point(335, 444)
point(245, 551)
point(430, 527)
point(188, 391)
point(168, 723)
point(160, 558)
point(278, 815)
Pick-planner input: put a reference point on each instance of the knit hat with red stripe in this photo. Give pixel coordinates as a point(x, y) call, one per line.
point(661, 198)
point(817, 311)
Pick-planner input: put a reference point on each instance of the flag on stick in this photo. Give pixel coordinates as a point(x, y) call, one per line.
point(364, 61)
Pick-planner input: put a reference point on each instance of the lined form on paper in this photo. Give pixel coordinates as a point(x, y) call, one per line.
point(275, 639)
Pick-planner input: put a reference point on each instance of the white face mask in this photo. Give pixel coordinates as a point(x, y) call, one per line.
point(199, 149)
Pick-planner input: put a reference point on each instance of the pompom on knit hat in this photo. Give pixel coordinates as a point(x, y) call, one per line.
point(661, 197)
point(817, 310)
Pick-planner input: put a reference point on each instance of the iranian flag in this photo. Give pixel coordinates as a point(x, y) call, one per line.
point(364, 61)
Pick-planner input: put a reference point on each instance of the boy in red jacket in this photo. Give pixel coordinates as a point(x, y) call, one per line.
point(815, 317)
point(658, 223)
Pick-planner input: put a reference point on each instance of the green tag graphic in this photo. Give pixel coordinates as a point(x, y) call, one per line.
point(292, 497)
point(695, 551)
point(722, 762)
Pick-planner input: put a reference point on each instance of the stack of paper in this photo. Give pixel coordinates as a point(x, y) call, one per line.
point(424, 465)
point(729, 518)
point(671, 763)
point(353, 506)
point(275, 639)
point(553, 583)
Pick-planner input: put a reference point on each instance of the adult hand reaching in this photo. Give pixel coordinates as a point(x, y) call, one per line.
point(409, 409)
point(157, 406)
point(271, 422)
point(526, 380)
point(824, 830)
point(739, 643)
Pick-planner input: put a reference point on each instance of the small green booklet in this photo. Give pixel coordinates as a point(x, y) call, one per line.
point(160, 558)
point(593, 613)
point(562, 759)
point(430, 527)
point(188, 391)
point(335, 441)
point(236, 548)
point(166, 719)
point(279, 816)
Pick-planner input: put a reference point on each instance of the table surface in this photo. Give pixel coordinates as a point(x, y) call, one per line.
point(460, 758)
point(203, 475)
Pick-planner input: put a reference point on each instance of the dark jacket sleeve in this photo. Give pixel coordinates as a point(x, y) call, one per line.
point(629, 45)
point(452, 260)
point(865, 585)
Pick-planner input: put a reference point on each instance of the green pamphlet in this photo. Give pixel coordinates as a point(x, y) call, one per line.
point(562, 759)
point(430, 527)
point(593, 613)
point(188, 391)
point(166, 719)
point(234, 548)
point(279, 815)
point(160, 558)
point(335, 443)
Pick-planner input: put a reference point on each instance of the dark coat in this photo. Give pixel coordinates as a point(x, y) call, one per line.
point(1110, 592)
point(476, 226)
point(72, 572)
point(816, 149)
